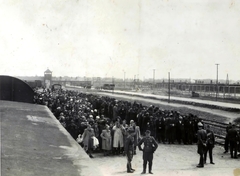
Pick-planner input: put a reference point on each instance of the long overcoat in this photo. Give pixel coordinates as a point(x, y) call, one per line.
point(117, 137)
point(202, 137)
point(87, 138)
point(106, 139)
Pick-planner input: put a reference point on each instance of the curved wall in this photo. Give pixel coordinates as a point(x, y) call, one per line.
point(14, 89)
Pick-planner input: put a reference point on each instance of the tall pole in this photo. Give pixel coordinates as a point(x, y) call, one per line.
point(217, 83)
point(137, 82)
point(227, 81)
point(153, 77)
point(113, 84)
point(134, 81)
point(168, 87)
point(124, 79)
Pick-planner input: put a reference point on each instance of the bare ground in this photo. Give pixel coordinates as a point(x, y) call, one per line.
point(173, 160)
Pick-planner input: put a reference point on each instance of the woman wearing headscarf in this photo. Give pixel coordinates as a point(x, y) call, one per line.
point(106, 140)
point(88, 140)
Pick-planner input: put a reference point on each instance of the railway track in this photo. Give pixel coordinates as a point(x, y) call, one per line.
point(219, 129)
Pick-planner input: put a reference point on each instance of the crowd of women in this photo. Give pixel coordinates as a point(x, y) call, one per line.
point(107, 119)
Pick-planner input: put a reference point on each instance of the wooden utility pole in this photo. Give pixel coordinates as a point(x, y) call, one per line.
point(169, 87)
point(217, 83)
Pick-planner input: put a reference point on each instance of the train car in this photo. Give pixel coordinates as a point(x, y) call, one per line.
point(108, 86)
point(194, 94)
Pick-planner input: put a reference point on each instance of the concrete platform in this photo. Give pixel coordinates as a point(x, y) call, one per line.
point(33, 142)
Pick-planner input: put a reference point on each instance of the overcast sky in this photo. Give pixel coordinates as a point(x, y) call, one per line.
point(104, 38)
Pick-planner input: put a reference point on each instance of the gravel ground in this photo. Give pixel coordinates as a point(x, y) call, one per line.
point(173, 160)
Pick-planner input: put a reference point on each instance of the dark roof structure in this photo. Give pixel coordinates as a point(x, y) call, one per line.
point(14, 89)
point(48, 71)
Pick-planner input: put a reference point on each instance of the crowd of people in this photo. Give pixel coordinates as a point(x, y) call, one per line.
point(86, 115)
point(232, 140)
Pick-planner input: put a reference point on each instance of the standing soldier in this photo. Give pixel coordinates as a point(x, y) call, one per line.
point(150, 145)
point(201, 143)
point(210, 145)
point(226, 143)
point(129, 148)
point(233, 138)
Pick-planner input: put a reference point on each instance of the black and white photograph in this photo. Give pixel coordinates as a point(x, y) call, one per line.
point(120, 87)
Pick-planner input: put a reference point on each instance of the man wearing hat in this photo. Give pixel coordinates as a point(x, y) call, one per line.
point(210, 145)
point(150, 145)
point(233, 139)
point(226, 142)
point(201, 143)
point(129, 148)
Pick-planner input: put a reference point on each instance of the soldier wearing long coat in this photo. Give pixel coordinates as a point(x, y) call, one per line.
point(233, 139)
point(129, 148)
point(210, 145)
point(201, 144)
point(150, 145)
point(226, 142)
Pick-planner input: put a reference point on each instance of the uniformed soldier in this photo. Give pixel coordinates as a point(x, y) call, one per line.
point(233, 138)
point(150, 145)
point(210, 145)
point(129, 148)
point(201, 143)
point(226, 142)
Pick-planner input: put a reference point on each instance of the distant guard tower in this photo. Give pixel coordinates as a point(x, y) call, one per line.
point(47, 78)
